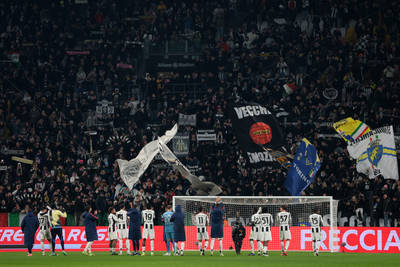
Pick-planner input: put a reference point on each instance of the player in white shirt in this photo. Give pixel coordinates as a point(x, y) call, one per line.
point(44, 226)
point(123, 230)
point(148, 229)
point(201, 221)
point(284, 221)
point(264, 233)
point(316, 223)
point(254, 230)
point(112, 229)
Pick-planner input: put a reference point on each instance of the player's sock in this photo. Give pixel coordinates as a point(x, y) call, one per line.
point(128, 245)
point(120, 244)
point(252, 245)
point(42, 245)
point(53, 244)
point(89, 245)
point(144, 245)
point(182, 246)
point(152, 245)
point(318, 245)
point(282, 245)
point(259, 245)
point(206, 245)
point(287, 245)
point(137, 245)
point(220, 245)
point(265, 250)
point(313, 245)
point(168, 246)
point(212, 244)
point(176, 247)
point(62, 244)
point(200, 242)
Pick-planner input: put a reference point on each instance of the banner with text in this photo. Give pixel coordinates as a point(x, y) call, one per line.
point(256, 129)
point(356, 239)
point(180, 144)
point(206, 135)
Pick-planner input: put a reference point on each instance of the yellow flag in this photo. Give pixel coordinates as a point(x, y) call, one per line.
point(350, 129)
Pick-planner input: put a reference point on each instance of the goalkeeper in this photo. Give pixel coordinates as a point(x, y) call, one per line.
point(56, 229)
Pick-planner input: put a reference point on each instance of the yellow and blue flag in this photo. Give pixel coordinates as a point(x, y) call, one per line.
point(350, 129)
point(304, 168)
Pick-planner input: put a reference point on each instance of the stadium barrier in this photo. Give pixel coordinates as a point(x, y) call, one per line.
point(354, 239)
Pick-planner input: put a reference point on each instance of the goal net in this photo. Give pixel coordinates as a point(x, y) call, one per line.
point(242, 208)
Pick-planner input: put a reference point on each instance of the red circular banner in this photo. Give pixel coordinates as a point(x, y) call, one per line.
point(260, 133)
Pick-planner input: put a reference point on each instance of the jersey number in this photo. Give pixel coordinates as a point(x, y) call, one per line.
point(148, 216)
point(283, 218)
point(120, 216)
point(315, 220)
point(41, 221)
point(200, 220)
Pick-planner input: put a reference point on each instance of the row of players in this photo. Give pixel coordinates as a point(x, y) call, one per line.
point(118, 230)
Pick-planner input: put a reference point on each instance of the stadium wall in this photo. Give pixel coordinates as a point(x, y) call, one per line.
point(354, 239)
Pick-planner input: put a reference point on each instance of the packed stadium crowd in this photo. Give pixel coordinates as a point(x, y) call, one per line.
point(250, 49)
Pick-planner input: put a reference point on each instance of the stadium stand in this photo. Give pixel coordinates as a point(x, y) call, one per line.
point(79, 91)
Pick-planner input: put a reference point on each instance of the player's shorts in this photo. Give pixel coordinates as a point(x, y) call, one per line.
point(316, 234)
point(264, 234)
point(113, 235)
point(284, 233)
point(44, 234)
point(148, 233)
point(169, 236)
point(123, 233)
point(202, 233)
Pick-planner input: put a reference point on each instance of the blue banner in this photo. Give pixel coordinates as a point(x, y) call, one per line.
point(304, 167)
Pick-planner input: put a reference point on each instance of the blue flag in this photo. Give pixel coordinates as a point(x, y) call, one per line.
point(304, 167)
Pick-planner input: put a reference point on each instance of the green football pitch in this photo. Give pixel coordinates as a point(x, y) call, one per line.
point(75, 259)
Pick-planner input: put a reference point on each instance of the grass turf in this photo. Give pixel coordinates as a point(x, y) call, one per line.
point(75, 259)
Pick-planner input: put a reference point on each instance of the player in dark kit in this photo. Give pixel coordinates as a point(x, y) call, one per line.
point(29, 225)
point(217, 225)
point(89, 221)
point(178, 218)
point(135, 221)
point(238, 234)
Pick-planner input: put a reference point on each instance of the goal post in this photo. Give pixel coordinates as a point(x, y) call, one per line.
point(242, 208)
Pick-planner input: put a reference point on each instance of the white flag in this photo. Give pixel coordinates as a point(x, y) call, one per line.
point(132, 170)
point(201, 188)
point(376, 153)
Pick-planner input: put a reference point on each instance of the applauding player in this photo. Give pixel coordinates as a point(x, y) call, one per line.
point(123, 229)
point(56, 229)
point(284, 220)
point(217, 225)
point(201, 221)
point(264, 234)
point(254, 231)
point(168, 229)
point(316, 223)
point(44, 226)
point(112, 229)
point(148, 229)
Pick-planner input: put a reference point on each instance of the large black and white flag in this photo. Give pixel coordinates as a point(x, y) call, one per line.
point(201, 188)
point(133, 169)
point(257, 130)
